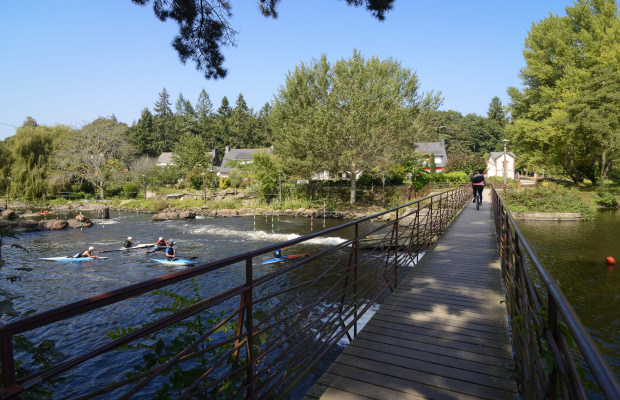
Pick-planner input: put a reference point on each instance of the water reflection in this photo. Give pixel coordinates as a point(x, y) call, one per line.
point(574, 253)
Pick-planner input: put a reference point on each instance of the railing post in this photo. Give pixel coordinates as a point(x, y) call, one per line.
point(249, 327)
point(552, 387)
point(396, 253)
point(8, 362)
point(355, 244)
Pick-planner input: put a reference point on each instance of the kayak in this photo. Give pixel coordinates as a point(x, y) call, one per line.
point(78, 259)
point(178, 261)
point(136, 247)
point(277, 260)
point(156, 248)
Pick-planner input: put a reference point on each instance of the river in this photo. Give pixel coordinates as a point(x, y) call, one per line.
point(574, 253)
point(47, 285)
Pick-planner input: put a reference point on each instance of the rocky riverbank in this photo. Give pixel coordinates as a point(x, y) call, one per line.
point(22, 221)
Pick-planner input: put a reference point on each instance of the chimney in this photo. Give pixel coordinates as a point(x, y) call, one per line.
point(227, 149)
point(442, 143)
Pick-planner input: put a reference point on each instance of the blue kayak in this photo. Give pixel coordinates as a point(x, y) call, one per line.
point(77, 259)
point(178, 261)
point(277, 260)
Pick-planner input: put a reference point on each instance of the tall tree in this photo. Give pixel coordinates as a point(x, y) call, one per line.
point(163, 122)
point(144, 137)
point(95, 154)
point(346, 117)
point(205, 119)
point(497, 111)
point(563, 54)
point(241, 125)
point(204, 27)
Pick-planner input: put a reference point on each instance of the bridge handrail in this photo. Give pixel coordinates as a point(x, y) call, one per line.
point(537, 328)
point(359, 281)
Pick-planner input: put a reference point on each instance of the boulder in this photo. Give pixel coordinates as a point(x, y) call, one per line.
point(9, 214)
point(28, 225)
point(225, 212)
point(53, 225)
point(81, 218)
point(165, 216)
point(79, 224)
point(187, 215)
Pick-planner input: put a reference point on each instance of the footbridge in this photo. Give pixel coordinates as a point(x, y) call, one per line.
point(431, 299)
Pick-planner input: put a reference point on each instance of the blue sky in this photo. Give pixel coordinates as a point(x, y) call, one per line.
point(72, 61)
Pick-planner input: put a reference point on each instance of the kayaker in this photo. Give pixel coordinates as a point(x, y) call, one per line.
point(88, 253)
point(277, 253)
point(161, 242)
point(128, 243)
point(171, 253)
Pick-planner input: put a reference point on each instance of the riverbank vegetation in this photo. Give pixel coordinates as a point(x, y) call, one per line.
point(548, 197)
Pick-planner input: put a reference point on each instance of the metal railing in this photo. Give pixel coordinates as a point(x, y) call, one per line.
point(552, 348)
point(257, 336)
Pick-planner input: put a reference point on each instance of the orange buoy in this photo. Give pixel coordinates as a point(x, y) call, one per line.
point(610, 260)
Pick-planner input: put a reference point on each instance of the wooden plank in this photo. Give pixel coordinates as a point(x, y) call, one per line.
point(440, 347)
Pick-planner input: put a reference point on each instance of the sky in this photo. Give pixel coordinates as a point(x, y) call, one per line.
point(72, 61)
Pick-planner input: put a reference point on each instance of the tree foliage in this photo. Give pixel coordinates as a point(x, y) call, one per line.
point(191, 152)
point(95, 154)
point(346, 117)
point(30, 153)
point(568, 59)
point(204, 27)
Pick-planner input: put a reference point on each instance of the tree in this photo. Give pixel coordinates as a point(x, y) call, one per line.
point(163, 123)
point(31, 151)
point(143, 136)
point(241, 125)
point(347, 117)
point(94, 154)
point(191, 152)
point(563, 56)
point(497, 111)
point(204, 27)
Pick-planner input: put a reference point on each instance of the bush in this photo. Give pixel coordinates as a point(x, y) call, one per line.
point(130, 190)
point(606, 198)
point(224, 183)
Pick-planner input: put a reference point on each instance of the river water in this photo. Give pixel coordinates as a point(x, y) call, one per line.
point(574, 253)
point(52, 284)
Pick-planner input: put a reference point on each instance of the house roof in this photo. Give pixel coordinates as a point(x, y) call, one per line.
point(436, 148)
point(242, 154)
point(497, 154)
point(165, 158)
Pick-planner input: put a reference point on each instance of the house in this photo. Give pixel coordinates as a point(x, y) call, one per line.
point(165, 158)
point(495, 164)
point(438, 149)
point(234, 157)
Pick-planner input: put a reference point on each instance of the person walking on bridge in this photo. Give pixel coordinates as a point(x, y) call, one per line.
point(477, 184)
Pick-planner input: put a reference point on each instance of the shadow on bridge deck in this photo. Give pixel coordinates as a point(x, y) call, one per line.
point(443, 334)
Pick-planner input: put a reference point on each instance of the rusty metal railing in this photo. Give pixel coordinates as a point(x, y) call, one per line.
point(257, 336)
point(548, 337)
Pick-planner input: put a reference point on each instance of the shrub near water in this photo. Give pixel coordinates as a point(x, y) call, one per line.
point(548, 197)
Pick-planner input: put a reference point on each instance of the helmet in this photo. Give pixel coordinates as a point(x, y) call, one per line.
point(161, 238)
point(129, 238)
point(91, 248)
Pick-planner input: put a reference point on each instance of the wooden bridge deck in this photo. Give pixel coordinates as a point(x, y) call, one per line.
point(442, 334)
